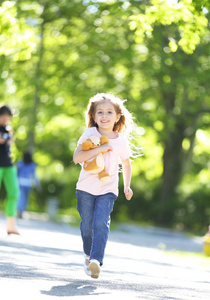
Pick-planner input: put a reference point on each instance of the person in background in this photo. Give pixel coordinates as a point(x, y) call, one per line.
point(8, 173)
point(27, 179)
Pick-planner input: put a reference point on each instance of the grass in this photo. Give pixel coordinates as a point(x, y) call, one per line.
point(190, 259)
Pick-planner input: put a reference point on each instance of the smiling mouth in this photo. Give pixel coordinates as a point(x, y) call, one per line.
point(104, 121)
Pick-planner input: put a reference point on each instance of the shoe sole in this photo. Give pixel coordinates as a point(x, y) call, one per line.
point(94, 269)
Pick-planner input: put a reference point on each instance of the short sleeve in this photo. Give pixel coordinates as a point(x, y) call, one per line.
point(87, 133)
point(125, 149)
point(81, 137)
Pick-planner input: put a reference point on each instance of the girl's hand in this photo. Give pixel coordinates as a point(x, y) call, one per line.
point(128, 193)
point(2, 141)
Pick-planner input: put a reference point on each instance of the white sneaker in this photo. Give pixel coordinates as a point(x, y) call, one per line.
point(86, 268)
point(94, 268)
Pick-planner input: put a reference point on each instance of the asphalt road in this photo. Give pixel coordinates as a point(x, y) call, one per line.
point(46, 262)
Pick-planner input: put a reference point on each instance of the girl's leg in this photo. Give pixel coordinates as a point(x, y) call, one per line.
point(85, 207)
point(28, 189)
point(23, 199)
point(103, 208)
point(12, 189)
point(1, 175)
point(11, 225)
point(10, 220)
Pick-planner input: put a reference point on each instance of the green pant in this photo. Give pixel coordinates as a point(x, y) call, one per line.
point(9, 177)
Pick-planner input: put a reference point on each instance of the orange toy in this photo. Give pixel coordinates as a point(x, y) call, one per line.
point(96, 164)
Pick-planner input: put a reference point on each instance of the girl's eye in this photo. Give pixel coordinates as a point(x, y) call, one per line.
point(99, 112)
point(110, 112)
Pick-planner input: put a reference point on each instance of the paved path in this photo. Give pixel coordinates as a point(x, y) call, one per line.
point(46, 263)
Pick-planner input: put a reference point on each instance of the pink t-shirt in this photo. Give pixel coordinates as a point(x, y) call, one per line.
point(90, 182)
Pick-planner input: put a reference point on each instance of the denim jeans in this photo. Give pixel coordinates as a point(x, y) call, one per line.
point(23, 199)
point(95, 220)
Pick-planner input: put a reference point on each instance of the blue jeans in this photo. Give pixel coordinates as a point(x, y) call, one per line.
point(95, 220)
point(23, 199)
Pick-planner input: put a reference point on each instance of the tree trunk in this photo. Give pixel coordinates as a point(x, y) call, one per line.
point(34, 107)
point(172, 171)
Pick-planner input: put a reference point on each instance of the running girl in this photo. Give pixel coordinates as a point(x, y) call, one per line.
point(105, 115)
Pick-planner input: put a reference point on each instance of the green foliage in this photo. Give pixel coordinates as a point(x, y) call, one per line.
point(191, 25)
point(16, 38)
point(55, 54)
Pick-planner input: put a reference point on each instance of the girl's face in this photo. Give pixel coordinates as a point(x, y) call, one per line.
point(106, 116)
point(4, 119)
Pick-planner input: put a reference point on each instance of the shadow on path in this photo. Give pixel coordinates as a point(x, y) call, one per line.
point(36, 250)
point(81, 287)
point(72, 289)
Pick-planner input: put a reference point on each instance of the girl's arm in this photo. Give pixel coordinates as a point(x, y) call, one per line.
point(35, 178)
point(10, 142)
point(2, 141)
point(80, 155)
point(126, 164)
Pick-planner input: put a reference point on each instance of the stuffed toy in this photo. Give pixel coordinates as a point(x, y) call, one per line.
point(96, 164)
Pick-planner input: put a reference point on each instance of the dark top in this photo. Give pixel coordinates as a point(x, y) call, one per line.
point(5, 159)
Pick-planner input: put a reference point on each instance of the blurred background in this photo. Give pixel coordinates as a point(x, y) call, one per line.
point(56, 54)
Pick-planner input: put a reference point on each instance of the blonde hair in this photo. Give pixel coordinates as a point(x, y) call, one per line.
point(125, 122)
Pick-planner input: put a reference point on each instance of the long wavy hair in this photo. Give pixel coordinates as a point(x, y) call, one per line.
point(125, 122)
